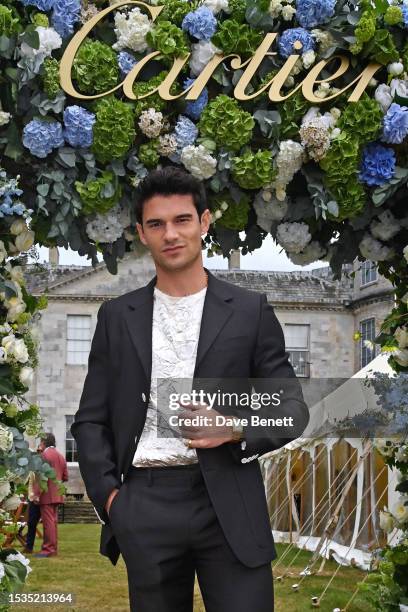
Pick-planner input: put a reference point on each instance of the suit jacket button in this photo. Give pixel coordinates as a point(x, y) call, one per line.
point(143, 397)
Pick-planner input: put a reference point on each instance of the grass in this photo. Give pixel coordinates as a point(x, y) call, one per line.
point(98, 585)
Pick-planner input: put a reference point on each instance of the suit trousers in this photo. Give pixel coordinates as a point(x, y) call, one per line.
point(49, 517)
point(167, 531)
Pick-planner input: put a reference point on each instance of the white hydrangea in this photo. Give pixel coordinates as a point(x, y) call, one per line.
point(317, 131)
point(217, 5)
point(308, 59)
point(4, 118)
point(289, 161)
point(275, 8)
point(268, 209)
point(105, 227)
point(198, 161)
point(49, 40)
point(288, 12)
point(401, 336)
point(131, 29)
point(151, 122)
point(19, 557)
point(324, 38)
point(293, 237)
point(385, 227)
point(6, 441)
point(313, 252)
point(373, 249)
point(167, 144)
point(201, 53)
point(400, 356)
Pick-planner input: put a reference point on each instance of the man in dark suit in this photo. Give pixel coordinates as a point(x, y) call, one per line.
point(176, 501)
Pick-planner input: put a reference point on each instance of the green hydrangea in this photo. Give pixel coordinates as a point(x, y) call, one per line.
point(291, 111)
point(236, 215)
point(237, 9)
point(41, 19)
point(365, 29)
point(95, 67)
point(175, 10)
point(404, 56)
point(9, 24)
point(148, 154)
point(169, 39)
point(154, 100)
point(382, 48)
point(234, 37)
point(253, 170)
point(114, 129)
point(363, 119)
point(226, 123)
point(393, 15)
point(341, 165)
point(50, 77)
point(99, 195)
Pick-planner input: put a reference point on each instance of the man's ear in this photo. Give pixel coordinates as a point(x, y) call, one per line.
point(139, 228)
point(205, 221)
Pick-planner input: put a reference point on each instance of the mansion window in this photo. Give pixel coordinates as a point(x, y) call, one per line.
point(368, 272)
point(78, 339)
point(367, 331)
point(297, 338)
point(70, 444)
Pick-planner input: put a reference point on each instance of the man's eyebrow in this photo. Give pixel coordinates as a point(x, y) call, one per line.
point(181, 216)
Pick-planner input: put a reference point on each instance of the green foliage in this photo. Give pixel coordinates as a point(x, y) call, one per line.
point(235, 217)
point(9, 24)
point(99, 195)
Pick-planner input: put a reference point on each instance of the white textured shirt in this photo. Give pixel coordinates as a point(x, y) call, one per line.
point(175, 334)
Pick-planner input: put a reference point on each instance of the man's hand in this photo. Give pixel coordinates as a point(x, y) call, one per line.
point(207, 434)
point(110, 499)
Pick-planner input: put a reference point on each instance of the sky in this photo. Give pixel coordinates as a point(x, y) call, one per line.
point(268, 257)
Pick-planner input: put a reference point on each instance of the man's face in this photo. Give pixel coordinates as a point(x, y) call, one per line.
point(172, 230)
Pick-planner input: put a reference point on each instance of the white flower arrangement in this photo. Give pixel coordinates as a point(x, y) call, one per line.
point(198, 161)
point(289, 161)
point(373, 249)
point(293, 237)
point(49, 41)
point(385, 227)
point(131, 29)
point(201, 53)
point(151, 122)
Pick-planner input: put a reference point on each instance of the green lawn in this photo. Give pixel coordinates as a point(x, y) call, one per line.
point(98, 585)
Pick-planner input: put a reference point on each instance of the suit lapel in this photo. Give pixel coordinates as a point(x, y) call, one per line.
point(139, 319)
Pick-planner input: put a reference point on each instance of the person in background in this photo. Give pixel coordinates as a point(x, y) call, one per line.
point(50, 499)
point(34, 511)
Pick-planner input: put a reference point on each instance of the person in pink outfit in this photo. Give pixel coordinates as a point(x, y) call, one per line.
point(50, 499)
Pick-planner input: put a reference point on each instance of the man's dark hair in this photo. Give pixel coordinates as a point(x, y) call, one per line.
point(48, 439)
point(170, 181)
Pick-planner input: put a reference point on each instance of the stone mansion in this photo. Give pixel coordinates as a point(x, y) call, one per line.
point(319, 317)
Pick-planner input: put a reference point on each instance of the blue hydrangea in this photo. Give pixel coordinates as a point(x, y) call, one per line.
point(126, 62)
point(378, 165)
point(194, 108)
point(41, 137)
point(311, 13)
point(290, 36)
point(200, 23)
point(395, 127)
point(185, 132)
point(8, 191)
point(42, 5)
point(78, 126)
point(65, 14)
point(404, 10)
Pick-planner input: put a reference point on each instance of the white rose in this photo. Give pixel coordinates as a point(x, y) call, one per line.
point(4, 118)
point(399, 87)
point(17, 227)
point(15, 306)
point(401, 336)
point(3, 252)
point(387, 522)
point(25, 240)
point(401, 356)
point(405, 253)
point(6, 438)
point(400, 511)
point(11, 503)
point(4, 489)
point(26, 376)
point(8, 342)
point(17, 274)
point(20, 351)
point(383, 96)
point(395, 69)
point(3, 355)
